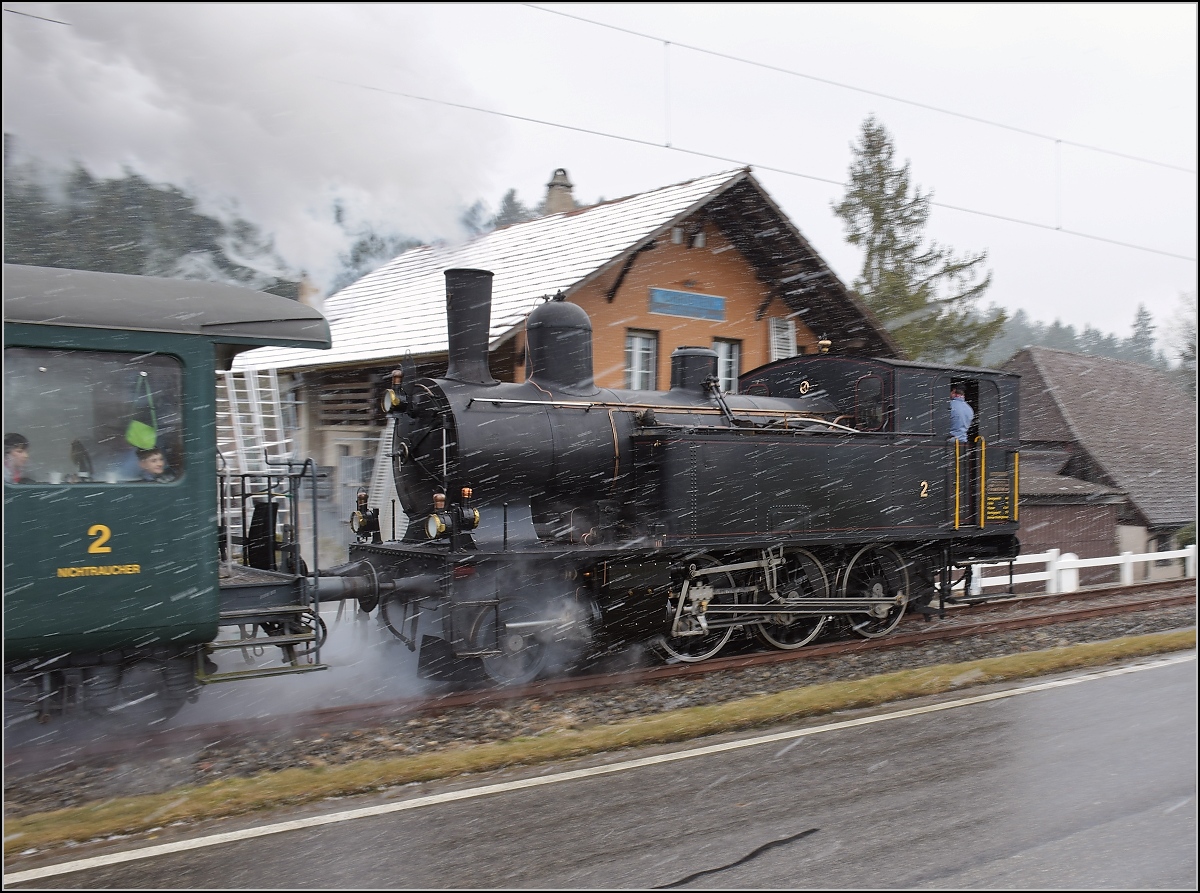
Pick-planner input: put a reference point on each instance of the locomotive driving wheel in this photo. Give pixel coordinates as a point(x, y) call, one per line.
point(877, 572)
point(802, 577)
point(696, 641)
point(523, 642)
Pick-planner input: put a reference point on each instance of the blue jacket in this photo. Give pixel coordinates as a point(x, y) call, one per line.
point(961, 415)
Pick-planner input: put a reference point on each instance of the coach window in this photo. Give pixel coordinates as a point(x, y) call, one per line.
point(868, 403)
point(641, 361)
point(729, 356)
point(90, 415)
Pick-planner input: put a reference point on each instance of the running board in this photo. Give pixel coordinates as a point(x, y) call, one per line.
point(297, 639)
point(242, 615)
point(236, 675)
point(813, 606)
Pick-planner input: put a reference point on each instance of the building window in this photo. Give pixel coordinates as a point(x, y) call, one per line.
point(783, 338)
point(641, 361)
point(729, 359)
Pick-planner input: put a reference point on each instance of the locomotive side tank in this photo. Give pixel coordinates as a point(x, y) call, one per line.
point(552, 514)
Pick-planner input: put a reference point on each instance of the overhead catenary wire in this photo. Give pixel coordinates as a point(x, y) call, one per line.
point(667, 144)
point(915, 103)
point(744, 163)
point(30, 15)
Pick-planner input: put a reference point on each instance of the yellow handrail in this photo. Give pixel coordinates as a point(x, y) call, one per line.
point(1016, 484)
point(982, 479)
point(957, 484)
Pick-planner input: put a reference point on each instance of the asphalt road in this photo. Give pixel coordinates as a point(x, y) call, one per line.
point(1084, 781)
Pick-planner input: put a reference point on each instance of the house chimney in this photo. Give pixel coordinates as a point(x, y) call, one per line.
point(558, 193)
point(308, 293)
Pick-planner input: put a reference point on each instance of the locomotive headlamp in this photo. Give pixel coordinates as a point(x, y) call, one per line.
point(435, 525)
point(439, 519)
point(364, 520)
point(359, 515)
point(392, 397)
point(468, 518)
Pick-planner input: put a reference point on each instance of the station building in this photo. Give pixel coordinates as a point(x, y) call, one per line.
point(710, 262)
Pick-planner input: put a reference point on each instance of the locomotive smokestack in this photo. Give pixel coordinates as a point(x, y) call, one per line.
point(468, 318)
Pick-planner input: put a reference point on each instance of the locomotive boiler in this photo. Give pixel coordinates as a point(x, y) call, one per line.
point(551, 519)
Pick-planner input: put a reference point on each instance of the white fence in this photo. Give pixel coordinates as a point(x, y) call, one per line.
point(1060, 570)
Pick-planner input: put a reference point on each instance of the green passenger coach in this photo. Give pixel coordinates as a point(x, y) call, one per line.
point(110, 521)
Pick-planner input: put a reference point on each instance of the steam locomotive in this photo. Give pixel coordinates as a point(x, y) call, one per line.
point(551, 518)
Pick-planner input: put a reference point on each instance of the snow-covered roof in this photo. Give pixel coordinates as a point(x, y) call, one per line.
point(401, 307)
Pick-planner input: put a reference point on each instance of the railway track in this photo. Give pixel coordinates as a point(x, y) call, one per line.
point(993, 616)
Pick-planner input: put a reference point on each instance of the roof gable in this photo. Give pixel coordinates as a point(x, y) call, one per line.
point(400, 307)
point(1133, 422)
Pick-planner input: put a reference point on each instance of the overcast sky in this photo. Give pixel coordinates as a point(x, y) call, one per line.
point(1059, 138)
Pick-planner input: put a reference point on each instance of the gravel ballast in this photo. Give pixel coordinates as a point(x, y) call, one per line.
point(83, 782)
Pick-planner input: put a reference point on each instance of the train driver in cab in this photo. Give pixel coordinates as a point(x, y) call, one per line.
point(961, 413)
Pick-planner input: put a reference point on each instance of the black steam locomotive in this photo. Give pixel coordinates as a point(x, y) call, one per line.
point(552, 519)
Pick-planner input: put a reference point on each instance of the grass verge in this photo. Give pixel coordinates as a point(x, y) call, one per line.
point(127, 815)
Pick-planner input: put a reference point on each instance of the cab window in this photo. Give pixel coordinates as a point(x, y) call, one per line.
point(868, 403)
point(94, 416)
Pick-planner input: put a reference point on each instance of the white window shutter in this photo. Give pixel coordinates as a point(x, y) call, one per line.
point(783, 338)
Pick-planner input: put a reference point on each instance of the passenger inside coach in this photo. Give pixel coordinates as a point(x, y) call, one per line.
point(16, 456)
point(152, 466)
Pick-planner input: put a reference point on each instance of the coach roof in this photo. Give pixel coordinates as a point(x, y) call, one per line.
point(229, 314)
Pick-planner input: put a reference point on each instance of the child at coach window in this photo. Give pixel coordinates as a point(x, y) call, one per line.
point(152, 466)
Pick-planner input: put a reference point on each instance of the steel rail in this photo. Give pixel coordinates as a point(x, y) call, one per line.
point(1118, 600)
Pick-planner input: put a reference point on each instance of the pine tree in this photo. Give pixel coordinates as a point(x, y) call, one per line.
point(1094, 342)
point(1061, 337)
point(512, 210)
point(1139, 346)
point(1182, 339)
point(369, 252)
point(924, 296)
point(128, 225)
point(475, 220)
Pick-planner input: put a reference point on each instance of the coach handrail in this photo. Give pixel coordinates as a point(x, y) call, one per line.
point(1061, 572)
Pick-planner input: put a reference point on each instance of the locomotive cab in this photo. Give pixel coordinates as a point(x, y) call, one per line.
point(907, 405)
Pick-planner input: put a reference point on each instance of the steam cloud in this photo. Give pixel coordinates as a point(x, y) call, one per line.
point(251, 103)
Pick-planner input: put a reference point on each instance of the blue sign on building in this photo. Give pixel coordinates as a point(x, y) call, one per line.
point(685, 303)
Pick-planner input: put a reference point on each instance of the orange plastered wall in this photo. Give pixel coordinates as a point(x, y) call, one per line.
point(717, 269)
